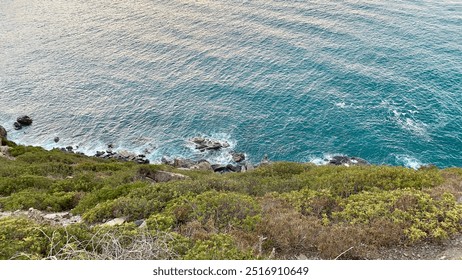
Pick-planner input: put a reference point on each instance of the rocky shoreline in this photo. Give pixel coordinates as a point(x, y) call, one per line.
point(240, 161)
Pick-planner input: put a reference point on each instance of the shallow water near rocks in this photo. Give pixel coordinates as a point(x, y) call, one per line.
point(297, 80)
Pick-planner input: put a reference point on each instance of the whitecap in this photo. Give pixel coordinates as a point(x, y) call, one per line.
point(409, 161)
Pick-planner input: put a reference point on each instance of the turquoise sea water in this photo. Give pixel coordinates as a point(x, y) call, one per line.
point(297, 80)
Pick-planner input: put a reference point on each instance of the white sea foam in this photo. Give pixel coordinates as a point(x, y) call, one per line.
point(324, 160)
point(409, 161)
point(408, 122)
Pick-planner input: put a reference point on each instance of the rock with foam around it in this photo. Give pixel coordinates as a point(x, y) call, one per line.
point(24, 120)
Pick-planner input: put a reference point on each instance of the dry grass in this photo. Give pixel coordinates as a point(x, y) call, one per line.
point(112, 245)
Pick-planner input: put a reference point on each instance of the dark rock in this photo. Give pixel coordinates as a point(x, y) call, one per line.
point(3, 132)
point(233, 168)
point(339, 160)
point(99, 153)
point(110, 146)
point(56, 139)
point(138, 222)
point(69, 148)
point(238, 157)
point(24, 120)
point(219, 168)
point(214, 146)
point(166, 161)
point(142, 161)
point(17, 126)
point(347, 161)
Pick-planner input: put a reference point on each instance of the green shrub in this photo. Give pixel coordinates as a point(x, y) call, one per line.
point(344, 181)
point(163, 222)
point(226, 210)
point(422, 216)
point(310, 202)
point(54, 169)
point(104, 194)
point(85, 182)
point(21, 238)
point(218, 247)
point(10, 185)
point(131, 208)
point(38, 199)
point(31, 154)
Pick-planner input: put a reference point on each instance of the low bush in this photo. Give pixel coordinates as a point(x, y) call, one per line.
point(423, 216)
point(225, 210)
point(39, 199)
point(104, 194)
point(21, 238)
point(218, 247)
point(24, 182)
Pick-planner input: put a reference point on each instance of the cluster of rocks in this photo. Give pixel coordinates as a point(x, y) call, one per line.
point(70, 149)
point(205, 144)
point(347, 161)
point(57, 218)
point(22, 121)
point(122, 155)
point(206, 165)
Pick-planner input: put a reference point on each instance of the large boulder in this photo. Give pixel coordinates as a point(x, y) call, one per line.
point(3, 132)
point(24, 120)
point(202, 165)
point(115, 222)
point(164, 176)
point(238, 157)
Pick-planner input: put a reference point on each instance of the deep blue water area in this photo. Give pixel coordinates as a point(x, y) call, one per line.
point(297, 80)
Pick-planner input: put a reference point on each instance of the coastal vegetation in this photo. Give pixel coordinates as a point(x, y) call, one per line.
point(282, 210)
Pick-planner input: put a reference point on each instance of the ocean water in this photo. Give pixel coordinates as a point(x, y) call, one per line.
point(297, 80)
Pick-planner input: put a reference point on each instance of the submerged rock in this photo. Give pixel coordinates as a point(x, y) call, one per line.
point(56, 139)
point(17, 126)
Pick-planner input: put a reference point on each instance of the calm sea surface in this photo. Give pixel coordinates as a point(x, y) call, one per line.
point(297, 80)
